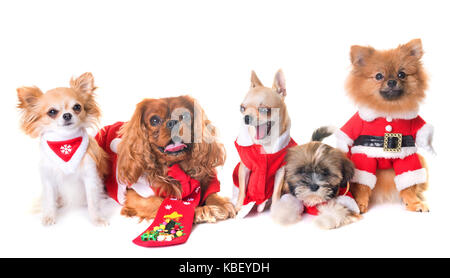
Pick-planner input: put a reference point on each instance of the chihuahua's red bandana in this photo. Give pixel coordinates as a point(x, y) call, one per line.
point(66, 151)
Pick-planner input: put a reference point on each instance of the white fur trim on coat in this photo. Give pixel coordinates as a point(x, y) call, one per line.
point(368, 114)
point(410, 178)
point(379, 152)
point(364, 177)
point(349, 203)
point(424, 138)
point(342, 140)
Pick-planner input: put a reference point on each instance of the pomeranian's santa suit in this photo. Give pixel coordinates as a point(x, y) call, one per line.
point(108, 138)
point(364, 136)
point(263, 166)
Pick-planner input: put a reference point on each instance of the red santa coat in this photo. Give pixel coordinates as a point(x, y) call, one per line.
point(263, 167)
point(367, 159)
point(108, 138)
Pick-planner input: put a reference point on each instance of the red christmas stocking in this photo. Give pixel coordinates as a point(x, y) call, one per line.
point(173, 222)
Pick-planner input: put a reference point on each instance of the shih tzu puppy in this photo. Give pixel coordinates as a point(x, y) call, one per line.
point(317, 181)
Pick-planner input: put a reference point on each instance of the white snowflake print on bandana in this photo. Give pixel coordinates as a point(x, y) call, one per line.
point(66, 149)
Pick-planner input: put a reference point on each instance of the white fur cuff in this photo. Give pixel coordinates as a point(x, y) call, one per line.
point(424, 137)
point(364, 177)
point(342, 140)
point(410, 178)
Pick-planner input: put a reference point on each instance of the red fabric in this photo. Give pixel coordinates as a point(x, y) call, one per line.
point(371, 164)
point(357, 126)
point(315, 211)
point(173, 222)
point(263, 168)
point(65, 149)
point(187, 183)
point(104, 138)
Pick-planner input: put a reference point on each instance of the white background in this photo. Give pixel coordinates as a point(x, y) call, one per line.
point(139, 49)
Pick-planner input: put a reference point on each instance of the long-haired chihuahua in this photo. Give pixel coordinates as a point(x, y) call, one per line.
point(72, 164)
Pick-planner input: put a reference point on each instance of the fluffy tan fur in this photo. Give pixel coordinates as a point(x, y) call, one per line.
point(363, 89)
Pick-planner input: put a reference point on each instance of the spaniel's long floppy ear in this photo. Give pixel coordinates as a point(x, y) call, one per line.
point(207, 152)
point(134, 153)
point(28, 104)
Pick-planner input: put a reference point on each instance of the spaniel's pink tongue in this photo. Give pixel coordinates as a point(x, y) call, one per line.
point(175, 147)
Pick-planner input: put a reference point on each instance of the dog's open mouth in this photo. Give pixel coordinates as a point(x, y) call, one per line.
point(263, 130)
point(174, 148)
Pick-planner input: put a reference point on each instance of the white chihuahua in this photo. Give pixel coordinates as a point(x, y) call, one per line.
point(72, 163)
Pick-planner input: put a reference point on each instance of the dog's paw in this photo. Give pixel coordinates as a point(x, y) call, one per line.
point(417, 207)
point(287, 210)
point(363, 206)
point(48, 220)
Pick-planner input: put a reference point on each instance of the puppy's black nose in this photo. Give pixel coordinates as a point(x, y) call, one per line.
point(247, 119)
point(392, 83)
point(67, 116)
point(314, 187)
point(170, 124)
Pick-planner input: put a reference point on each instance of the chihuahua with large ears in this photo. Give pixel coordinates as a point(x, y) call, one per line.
point(262, 144)
point(72, 164)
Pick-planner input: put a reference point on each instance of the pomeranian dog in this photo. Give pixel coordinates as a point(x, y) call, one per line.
point(317, 177)
point(383, 136)
point(262, 144)
point(72, 164)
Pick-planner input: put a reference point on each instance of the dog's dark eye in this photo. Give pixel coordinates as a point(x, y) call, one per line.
point(401, 75)
point(264, 110)
point(52, 112)
point(155, 120)
point(242, 109)
point(76, 108)
point(379, 76)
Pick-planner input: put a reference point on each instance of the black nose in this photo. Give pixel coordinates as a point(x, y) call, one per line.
point(314, 187)
point(392, 83)
point(170, 124)
point(67, 116)
point(247, 119)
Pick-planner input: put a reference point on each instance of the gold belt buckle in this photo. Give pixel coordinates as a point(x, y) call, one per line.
point(398, 148)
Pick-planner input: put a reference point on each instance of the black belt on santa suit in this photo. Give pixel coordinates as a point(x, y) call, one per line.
point(392, 142)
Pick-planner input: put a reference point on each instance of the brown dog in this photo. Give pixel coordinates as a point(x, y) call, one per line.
point(163, 132)
point(383, 136)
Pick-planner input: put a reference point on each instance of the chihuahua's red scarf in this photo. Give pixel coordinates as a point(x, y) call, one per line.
point(65, 151)
point(263, 167)
point(174, 219)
